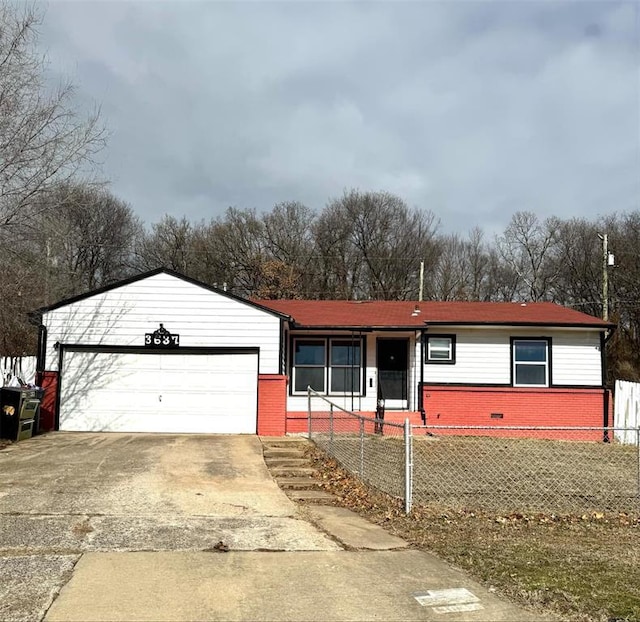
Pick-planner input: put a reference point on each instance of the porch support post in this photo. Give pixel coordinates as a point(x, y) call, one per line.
point(309, 411)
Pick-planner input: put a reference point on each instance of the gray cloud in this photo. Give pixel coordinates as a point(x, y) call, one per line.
point(474, 110)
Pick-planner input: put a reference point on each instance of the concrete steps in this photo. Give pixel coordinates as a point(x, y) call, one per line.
point(293, 452)
point(287, 461)
point(304, 483)
point(309, 495)
point(293, 471)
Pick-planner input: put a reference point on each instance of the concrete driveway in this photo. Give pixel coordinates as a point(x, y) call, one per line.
point(64, 494)
point(128, 526)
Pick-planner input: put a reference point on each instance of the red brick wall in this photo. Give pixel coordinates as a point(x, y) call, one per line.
point(272, 404)
point(520, 407)
point(298, 422)
point(48, 380)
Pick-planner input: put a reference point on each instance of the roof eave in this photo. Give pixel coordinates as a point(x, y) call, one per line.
point(296, 326)
point(488, 324)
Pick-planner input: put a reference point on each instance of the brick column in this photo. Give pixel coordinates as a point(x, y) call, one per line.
point(272, 404)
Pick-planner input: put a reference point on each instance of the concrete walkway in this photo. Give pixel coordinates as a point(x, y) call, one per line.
point(342, 585)
point(132, 527)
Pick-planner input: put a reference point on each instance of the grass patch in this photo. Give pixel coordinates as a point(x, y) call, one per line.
point(581, 567)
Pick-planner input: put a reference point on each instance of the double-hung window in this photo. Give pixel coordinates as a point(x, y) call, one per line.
point(327, 365)
point(530, 362)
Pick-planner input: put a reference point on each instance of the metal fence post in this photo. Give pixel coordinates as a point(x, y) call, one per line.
point(331, 429)
point(361, 448)
point(309, 409)
point(638, 449)
point(408, 467)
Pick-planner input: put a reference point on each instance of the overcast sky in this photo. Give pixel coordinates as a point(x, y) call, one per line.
point(472, 109)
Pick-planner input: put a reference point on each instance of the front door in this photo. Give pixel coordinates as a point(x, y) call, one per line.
point(393, 377)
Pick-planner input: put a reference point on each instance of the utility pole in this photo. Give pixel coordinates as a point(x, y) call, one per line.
point(420, 292)
point(605, 277)
point(607, 260)
point(47, 271)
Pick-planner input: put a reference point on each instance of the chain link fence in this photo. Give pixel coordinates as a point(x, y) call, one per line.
point(505, 469)
point(369, 448)
point(551, 470)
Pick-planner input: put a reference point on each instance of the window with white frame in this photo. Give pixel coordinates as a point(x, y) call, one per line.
point(530, 362)
point(441, 349)
point(327, 365)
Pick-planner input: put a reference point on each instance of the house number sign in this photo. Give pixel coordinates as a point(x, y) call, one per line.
point(161, 338)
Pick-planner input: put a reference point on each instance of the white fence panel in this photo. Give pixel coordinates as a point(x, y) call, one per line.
point(24, 367)
point(626, 408)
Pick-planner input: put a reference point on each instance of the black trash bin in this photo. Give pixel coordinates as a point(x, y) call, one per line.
point(19, 410)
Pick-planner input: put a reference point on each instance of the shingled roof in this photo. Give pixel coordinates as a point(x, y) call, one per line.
point(407, 314)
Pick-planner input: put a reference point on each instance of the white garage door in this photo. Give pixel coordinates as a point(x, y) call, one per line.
point(140, 392)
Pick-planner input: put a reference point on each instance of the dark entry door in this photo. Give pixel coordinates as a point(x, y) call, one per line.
point(393, 362)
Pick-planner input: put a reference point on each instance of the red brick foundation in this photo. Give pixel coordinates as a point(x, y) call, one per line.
point(298, 422)
point(48, 380)
point(499, 407)
point(272, 404)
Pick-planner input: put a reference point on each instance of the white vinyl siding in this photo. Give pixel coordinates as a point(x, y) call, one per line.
point(577, 359)
point(483, 356)
point(200, 317)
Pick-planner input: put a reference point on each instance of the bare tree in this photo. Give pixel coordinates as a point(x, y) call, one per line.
point(462, 269)
point(476, 256)
point(206, 263)
point(503, 282)
point(339, 266)
point(449, 277)
point(43, 139)
point(578, 259)
point(624, 279)
point(379, 243)
point(526, 246)
point(81, 238)
point(85, 237)
point(239, 238)
point(288, 241)
point(21, 289)
point(167, 245)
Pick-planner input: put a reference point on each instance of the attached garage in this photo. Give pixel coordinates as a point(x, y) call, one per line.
point(163, 353)
point(146, 391)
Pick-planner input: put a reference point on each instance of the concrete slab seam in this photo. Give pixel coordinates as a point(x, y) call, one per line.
point(56, 592)
point(305, 516)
